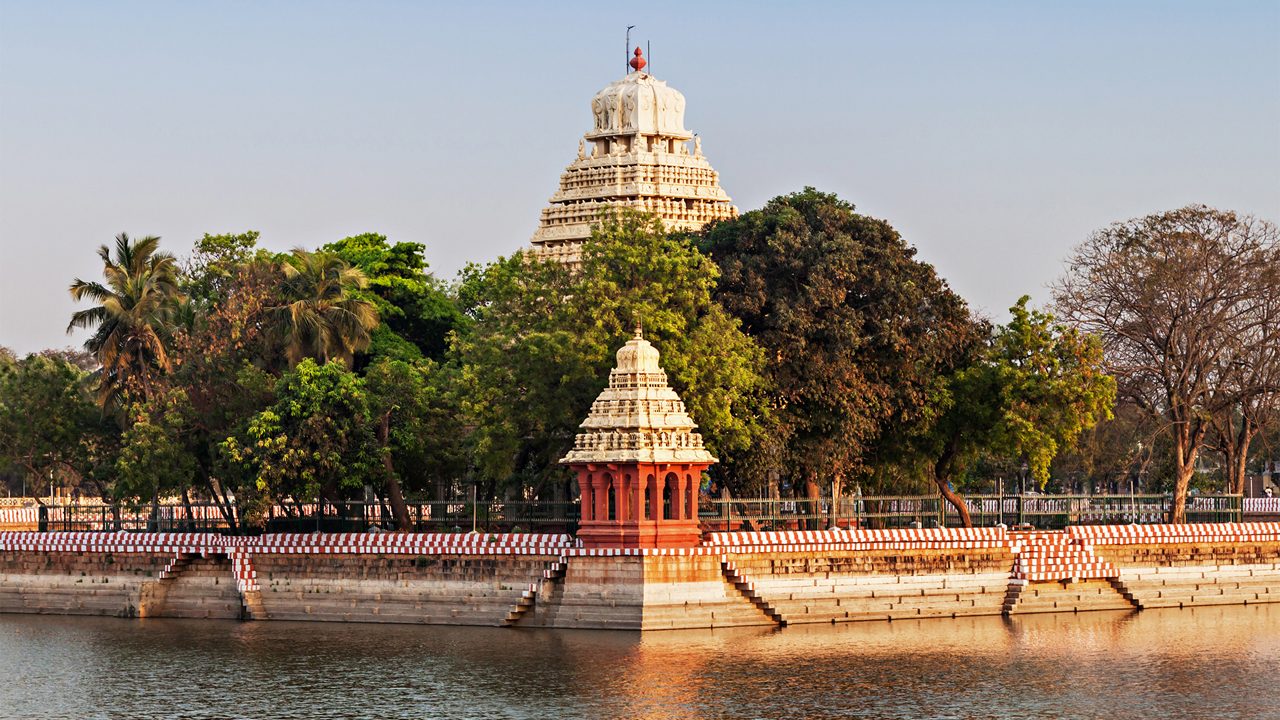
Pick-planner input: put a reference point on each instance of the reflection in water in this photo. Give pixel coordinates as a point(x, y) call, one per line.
point(1208, 662)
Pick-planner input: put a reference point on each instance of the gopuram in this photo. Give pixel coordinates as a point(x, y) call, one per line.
point(638, 460)
point(636, 155)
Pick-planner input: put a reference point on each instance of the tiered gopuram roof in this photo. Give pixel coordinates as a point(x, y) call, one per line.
point(636, 155)
point(638, 417)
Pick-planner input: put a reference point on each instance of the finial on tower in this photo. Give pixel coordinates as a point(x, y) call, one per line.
point(639, 333)
point(638, 62)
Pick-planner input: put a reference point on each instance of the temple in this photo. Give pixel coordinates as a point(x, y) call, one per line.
point(638, 460)
point(636, 155)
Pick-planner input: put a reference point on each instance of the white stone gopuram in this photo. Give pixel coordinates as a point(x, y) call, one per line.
point(638, 460)
point(636, 155)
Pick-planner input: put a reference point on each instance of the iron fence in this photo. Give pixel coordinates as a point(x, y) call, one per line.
point(1040, 511)
point(426, 516)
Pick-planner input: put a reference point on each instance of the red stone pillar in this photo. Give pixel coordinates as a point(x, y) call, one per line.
point(654, 486)
point(584, 492)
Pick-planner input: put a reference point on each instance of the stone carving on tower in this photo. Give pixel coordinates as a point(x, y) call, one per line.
point(638, 459)
point(636, 155)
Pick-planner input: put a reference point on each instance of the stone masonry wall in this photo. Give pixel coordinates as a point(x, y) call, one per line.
point(817, 586)
point(1189, 574)
point(65, 583)
point(440, 590)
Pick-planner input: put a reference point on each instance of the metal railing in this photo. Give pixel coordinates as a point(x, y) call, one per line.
point(1040, 511)
point(442, 516)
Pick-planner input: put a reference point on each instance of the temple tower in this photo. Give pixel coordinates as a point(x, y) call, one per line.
point(638, 460)
point(636, 155)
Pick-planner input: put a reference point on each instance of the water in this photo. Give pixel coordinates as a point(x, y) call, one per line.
point(1202, 663)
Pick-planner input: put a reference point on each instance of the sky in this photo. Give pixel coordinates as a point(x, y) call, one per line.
point(995, 136)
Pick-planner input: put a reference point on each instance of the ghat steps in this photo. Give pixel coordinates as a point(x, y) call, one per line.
point(744, 585)
point(553, 574)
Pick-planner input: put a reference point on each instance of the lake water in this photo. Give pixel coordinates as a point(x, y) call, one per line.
point(1203, 663)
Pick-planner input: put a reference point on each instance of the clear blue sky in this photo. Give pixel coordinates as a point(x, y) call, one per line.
point(994, 136)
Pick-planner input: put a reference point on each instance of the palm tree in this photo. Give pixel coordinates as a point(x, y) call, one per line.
point(320, 317)
point(131, 313)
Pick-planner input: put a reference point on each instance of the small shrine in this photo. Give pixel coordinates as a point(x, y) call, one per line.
point(637, 155)
point(638, 460)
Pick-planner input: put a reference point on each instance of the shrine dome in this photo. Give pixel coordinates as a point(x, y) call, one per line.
point(639, 103)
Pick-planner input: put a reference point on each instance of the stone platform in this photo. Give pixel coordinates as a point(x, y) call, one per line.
point(731, 580)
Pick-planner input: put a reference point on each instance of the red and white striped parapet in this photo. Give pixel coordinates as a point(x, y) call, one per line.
point(1186, 533)
point(861, 539)
point(291, 543)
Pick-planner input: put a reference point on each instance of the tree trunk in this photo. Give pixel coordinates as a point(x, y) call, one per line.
point(186, 505)
point(813, 502)
point(1186, 450)
point(837, 489)
point(155, 510)
point(955, 500)
point(1241, 442)
point(394, 494)
point(942, 478)
point(220, 499)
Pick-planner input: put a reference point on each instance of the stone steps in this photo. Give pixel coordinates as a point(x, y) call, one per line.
point(1066, 596)
point(743, 585)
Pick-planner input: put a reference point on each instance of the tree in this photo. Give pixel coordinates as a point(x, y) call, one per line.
point(1248, 375)
point(1170, 295)
point(1028, 396)
point(315, 441)
point(132, 309)
point(417, 428)
point(540, 341)
point(416, 313)
point(855, 329)
point(49, 424)
point(318, 315)
point(221, 373)
point(1112, 454)
point(154, 460)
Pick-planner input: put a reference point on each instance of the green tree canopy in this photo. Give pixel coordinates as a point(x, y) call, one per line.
point(856, 330)
point(417, 313)
point(541, 340)
point(50, 425)
point(1028, 396)
point(315, 440)
point(418, 428)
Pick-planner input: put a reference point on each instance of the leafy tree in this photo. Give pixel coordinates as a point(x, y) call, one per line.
point(417, 314)
point(130, 314)
point(50, 425)
point(214, 262)
point(318, 316)
point(1034, 390)
point(315, 441)
point(1180, 300)
point(221, 372)
point(417, 428)
point(857, 331)
point(540, 341)
point(154, 460)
